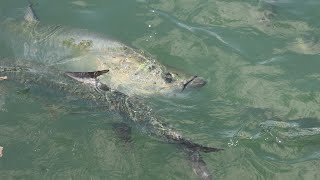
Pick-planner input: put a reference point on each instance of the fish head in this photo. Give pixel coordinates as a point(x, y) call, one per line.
point(180, 83)
point(139, 74)
point(184, 83)
point(153, 80)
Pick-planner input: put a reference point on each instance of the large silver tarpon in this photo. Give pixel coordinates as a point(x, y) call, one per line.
point(86, 86)
point(130, 71)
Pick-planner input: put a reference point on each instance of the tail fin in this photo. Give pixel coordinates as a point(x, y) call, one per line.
point(198, 165)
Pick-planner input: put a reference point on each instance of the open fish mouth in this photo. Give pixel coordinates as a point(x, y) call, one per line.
point(194, 82)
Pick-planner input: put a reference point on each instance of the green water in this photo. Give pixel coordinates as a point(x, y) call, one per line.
point(261, 103)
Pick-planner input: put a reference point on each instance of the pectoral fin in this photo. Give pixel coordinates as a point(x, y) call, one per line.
point(123, 131)
point(90, 78)
point(86, 75)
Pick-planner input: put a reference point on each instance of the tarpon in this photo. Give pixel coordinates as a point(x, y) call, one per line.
point(86, 86)
point(127, 71)
point(130, 71)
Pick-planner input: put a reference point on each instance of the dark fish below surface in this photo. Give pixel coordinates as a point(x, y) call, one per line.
point(86, 86)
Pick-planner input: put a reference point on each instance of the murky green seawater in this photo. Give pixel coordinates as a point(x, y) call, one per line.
point(261, 104)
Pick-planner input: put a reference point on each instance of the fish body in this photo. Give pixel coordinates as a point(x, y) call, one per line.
point(131, 71)
point(119, 75)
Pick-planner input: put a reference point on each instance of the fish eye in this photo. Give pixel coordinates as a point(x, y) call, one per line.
point(168, 77)
point(175, 76)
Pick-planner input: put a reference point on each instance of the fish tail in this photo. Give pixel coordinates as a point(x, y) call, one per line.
point(193, 151)
point(198, 165)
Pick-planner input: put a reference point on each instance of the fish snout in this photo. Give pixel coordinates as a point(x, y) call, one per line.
point(194, 82)
point(198, 82)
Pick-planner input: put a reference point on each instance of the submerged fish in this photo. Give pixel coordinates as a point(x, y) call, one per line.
point(130, 71)
point(85, 85)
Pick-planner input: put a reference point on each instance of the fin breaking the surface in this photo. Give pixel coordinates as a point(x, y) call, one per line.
point(83, 75)
point(30, 15)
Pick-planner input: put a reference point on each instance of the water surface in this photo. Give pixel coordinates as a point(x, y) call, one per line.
point(261, 103)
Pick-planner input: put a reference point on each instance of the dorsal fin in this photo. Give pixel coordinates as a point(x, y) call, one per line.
point(29, 15)
point(86, 75)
